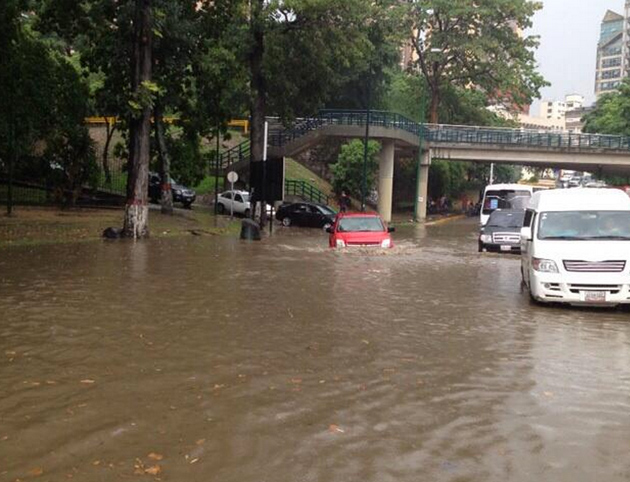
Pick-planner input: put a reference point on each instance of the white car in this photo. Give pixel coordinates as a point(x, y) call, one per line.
point(238, 201)
point(575, 247)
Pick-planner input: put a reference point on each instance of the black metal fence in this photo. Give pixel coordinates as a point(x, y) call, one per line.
point(38, 180)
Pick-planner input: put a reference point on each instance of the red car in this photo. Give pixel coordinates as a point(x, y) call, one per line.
point(359, 229)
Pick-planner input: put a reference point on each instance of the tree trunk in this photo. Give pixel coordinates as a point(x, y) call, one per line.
point(12, 160)
point(136, 223)
point(434, 108)
point(258, 100)
point(166, 192)
point(110, 133)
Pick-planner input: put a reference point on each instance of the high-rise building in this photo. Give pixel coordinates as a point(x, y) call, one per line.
point(612, 51)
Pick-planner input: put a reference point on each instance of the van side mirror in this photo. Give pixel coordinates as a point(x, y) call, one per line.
point(329, 229)
point(526, 233)
point(391, 229)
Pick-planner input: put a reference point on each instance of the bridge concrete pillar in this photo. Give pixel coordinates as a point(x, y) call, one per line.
point(386, 180)
point(422, 186)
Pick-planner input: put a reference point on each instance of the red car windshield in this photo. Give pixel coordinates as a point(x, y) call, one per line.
point(360, 224)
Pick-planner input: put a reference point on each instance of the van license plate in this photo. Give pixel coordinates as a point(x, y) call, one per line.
point(595, 296)
point(506, 248)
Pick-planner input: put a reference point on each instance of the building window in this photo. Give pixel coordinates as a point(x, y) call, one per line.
point(611, 74)
point(604, 86)
point(614, 62)
point(611, 51)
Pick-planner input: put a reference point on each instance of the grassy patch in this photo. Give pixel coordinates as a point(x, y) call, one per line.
point(37, 226)
point(206, 186)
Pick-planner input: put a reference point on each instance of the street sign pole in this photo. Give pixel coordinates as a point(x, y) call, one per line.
point(263, 193)
point(232, 177)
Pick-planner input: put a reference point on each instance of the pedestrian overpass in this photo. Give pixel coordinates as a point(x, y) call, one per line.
point(402, 137)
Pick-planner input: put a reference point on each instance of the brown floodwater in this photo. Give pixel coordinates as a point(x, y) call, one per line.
point(206, 359)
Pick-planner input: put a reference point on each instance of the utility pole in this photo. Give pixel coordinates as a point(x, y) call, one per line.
point(216, 175)
point(366, 141)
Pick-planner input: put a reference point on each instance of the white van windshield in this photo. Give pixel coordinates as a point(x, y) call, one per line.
point(505, 199)
point(584, 225)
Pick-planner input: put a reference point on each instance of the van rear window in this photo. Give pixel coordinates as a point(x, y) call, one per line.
point(505, 199)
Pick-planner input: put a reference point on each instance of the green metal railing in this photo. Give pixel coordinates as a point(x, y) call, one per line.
point(238, 153)
point(445, 134)
point(305, 190)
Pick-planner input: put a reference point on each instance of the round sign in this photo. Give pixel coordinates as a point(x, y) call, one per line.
point(232, 177)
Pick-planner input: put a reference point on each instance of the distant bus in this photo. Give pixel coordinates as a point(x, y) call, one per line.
point(504, 196)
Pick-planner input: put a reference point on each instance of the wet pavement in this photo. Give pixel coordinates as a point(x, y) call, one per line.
point(204, 359)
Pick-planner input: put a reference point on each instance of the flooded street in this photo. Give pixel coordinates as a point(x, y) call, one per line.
point(205, 359)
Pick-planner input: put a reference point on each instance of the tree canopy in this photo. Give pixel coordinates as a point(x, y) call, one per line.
point(477, 46)
point(612, 113)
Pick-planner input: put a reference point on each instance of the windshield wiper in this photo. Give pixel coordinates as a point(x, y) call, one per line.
point(574, 238)
point(627, 238)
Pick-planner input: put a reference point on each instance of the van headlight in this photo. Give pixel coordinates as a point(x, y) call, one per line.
point(386, 243)
point(485, 238)
point(544, 265)
point(340, 243)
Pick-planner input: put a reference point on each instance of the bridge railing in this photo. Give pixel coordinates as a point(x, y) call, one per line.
point(524, 137)
point(298, 187)
point(444, 133)
point(236, 154)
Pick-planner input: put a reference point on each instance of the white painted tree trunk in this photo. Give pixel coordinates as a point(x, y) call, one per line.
point(136, 221)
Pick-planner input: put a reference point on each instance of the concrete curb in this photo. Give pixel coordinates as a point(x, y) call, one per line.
point(446, 220)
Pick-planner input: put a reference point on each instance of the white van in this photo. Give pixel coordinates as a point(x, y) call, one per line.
point(575, 246)
point(503, 196)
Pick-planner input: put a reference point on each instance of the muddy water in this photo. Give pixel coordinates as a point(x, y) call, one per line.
point(203, 359)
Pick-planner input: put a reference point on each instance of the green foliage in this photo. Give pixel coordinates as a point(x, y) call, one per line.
point(447, 178)
point(409, 95)
point(612, 113)
point(42, 113)
point(348, 171)
point(72, 159)
point(461, 43)
point(188, 166)
point(611, 116)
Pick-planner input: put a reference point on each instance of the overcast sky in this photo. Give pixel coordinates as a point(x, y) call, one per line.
point(569, 30)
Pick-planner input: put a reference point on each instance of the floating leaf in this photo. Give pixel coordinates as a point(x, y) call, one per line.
point(155, 456)
point(153, 470)
point(88, 381)
point(36, 472)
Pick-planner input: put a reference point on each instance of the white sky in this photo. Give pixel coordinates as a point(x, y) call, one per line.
point(569, 30)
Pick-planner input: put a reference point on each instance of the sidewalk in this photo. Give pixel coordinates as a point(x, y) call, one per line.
point(432, 219)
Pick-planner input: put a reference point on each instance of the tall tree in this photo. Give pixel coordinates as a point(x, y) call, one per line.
point(136, 223)
point(475, 45)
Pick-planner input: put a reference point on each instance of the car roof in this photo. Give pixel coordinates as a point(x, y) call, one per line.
point(500, 187)
point(580, 199)
point(359, 215)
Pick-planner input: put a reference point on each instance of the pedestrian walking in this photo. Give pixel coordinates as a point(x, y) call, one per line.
point(344, 202)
